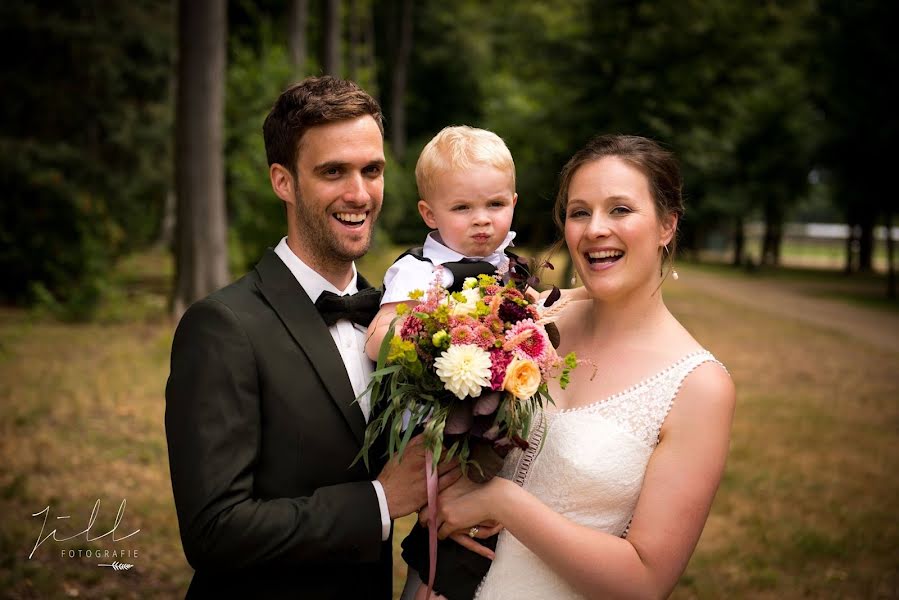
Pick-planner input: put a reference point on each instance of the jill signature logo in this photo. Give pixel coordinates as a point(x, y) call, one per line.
point(41, 538)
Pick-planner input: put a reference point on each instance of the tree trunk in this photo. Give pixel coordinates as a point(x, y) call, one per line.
point(739, 243)
point(297, 26)
point(400, 78)
point(355, 40)
point(773, 235)
point(331, 38)
point(891, 266)
point(201, 250)
point(166, 237)
point(866, 245)
point(368, 51)
point(851, 242)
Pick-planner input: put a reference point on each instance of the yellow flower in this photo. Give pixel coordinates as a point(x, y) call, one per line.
point(439, 338)
point(522, 378)
point(398, 349)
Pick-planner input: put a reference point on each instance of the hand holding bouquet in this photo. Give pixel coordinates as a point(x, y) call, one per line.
point(472, 367)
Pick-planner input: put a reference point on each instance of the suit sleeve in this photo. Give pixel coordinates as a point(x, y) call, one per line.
point(213, 428)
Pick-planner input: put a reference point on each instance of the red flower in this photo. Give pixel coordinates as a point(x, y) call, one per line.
point(499, 360)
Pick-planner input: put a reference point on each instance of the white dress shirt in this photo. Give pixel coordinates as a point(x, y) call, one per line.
point(350, 340)
point(410, 273)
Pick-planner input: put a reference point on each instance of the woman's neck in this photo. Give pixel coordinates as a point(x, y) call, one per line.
point(639, 315)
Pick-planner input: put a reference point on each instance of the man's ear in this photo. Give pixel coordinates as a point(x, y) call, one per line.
point(282, 182)
point(427, 215)
point(668, 228)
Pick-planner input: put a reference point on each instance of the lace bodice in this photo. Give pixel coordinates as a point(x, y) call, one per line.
point(590, 469)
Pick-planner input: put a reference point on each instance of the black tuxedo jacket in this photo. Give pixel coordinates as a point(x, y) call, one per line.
point(262, 429)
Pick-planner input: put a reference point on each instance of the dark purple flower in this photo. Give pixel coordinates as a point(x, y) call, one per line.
point(511, 312)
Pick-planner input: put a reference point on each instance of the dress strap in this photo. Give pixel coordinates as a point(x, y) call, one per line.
point(671, 386)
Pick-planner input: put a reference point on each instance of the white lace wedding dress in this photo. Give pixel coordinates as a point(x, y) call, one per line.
point(590, 469)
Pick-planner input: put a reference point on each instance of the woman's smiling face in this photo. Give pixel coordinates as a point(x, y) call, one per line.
point(612, 228)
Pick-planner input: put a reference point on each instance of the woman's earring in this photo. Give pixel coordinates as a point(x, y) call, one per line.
point(574, 280)
point(674, 274)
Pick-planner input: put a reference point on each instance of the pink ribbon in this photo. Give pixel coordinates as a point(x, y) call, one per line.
point(431, 479)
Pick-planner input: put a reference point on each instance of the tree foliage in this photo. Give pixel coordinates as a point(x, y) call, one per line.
point(756, 99)
point(84, 141)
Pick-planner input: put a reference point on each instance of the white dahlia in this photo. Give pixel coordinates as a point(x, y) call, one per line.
point(464, 369)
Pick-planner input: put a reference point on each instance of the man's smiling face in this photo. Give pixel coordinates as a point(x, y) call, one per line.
point(339, 190)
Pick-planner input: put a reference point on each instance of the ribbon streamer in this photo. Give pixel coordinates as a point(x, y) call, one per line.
point(431, 479)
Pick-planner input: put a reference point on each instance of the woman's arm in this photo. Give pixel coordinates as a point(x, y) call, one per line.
point(680, 484)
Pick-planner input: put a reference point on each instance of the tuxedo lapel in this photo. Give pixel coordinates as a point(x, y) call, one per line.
point(299, 315)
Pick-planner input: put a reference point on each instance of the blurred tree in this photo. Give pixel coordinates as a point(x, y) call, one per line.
point(363, 65)
point(258, 70)
point(855, 53)
point(84, 143)
point(332, 15)
point(201, 257)
point(399, 77)
point(297, 26)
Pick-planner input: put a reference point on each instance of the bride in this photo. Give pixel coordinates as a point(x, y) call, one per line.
point(614, 503)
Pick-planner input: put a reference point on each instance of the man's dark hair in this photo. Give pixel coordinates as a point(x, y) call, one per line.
point(313, 101)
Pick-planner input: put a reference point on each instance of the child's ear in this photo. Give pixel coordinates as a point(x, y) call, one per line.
point(514, 200)
point(427, 215)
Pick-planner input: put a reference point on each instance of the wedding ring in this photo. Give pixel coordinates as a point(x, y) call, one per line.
point(473, 532)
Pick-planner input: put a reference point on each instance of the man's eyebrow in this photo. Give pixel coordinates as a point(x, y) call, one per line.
point(336, 164)
point(327, 166)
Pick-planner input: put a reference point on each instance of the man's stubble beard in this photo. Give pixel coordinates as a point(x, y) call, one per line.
point(326, 249)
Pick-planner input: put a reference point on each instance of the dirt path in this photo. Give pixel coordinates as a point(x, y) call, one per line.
point(877, 327)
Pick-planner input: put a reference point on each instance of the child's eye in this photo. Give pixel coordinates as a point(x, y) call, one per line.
point(460, 208)
point(498, 204)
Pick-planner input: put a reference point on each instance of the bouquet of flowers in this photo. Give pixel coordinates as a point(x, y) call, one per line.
point(472, 367)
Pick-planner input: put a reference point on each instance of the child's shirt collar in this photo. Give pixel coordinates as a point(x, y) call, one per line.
point(435, 251)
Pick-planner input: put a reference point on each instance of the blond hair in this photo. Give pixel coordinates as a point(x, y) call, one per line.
point(460, 147)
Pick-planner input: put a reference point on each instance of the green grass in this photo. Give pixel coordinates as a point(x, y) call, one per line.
point(805, 509)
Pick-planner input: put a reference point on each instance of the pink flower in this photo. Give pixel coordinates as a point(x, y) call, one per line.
point(499, 360)
point(494, 323)
point(462, 334)
point(412, 327)
point(484, 337)
point(462, 321)
point(527, 339)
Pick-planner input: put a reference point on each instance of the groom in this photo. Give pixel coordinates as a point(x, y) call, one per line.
point(261, 418)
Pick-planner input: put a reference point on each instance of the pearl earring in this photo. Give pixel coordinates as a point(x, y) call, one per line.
point(674, 274)
point(574, 280)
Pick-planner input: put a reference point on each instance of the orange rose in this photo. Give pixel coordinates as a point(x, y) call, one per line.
point(522, 378)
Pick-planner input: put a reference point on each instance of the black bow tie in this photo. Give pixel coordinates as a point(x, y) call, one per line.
point(360, 307)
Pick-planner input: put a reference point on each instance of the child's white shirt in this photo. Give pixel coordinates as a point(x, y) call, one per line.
point(412, 273)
